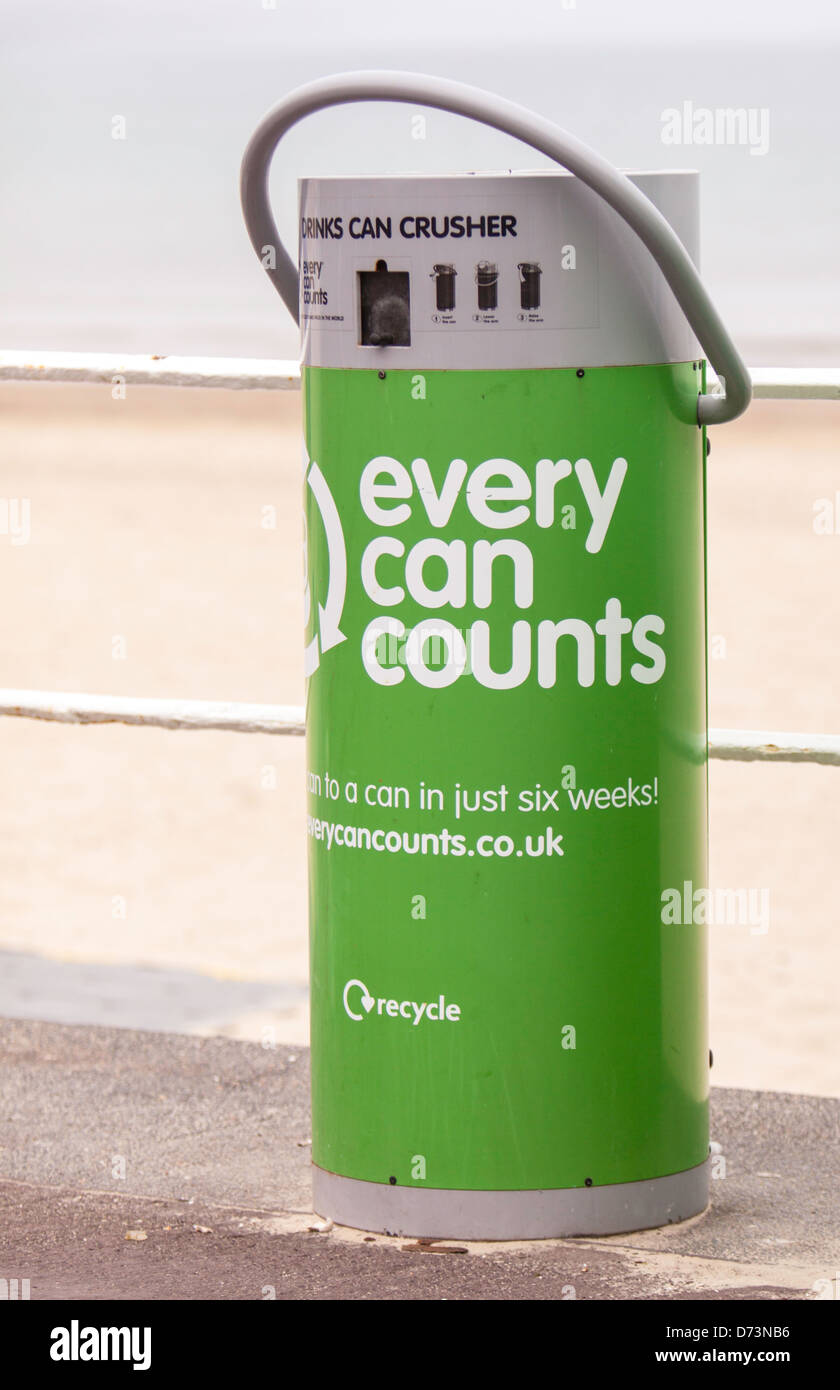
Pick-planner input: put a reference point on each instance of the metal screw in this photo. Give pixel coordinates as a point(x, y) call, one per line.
point(587, 1182)
point(580, 372)
point(382, 376)
point(393, 1182)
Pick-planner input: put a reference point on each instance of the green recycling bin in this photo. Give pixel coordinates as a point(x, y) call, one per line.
point(505, 654)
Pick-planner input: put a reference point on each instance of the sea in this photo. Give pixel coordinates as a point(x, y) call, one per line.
point(122, 127)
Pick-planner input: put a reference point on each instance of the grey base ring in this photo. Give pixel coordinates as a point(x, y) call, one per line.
point(435, 1213)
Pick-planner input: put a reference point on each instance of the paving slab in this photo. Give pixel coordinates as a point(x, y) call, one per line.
point(136, 996)
point(201, 1146)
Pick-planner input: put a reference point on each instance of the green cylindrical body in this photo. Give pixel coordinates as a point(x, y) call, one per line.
point(506, 715)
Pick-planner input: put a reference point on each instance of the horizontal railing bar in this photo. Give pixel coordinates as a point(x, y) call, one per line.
point(266, 374)
point(742, 745)
point(66, 708)
point(796, 383)
point(771, 745)
point(231, 373)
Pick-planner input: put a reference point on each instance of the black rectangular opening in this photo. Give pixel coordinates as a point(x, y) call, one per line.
point(385, 307)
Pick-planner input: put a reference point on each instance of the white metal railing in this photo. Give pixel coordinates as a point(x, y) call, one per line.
point(266, 374)
point(70, 708)
point(741, 745)
point(241, 373)
point(233, 373)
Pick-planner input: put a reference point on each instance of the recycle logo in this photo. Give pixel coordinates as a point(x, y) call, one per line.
point(367, 1000)
point(356, 996)
point(329, 632)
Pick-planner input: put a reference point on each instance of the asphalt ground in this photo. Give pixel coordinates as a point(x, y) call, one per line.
point(140, 1165)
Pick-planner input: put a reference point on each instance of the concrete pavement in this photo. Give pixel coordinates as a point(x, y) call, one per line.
point(201, 1147)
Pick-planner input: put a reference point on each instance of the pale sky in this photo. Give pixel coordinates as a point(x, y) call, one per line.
point(372, 25)
point(464, 22)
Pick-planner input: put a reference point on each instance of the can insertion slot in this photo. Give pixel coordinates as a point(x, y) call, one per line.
point(384, 307)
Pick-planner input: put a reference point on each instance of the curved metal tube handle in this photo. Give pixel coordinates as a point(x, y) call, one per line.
point(601, 176)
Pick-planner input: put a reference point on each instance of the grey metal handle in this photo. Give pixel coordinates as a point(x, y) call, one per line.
point(601, 176)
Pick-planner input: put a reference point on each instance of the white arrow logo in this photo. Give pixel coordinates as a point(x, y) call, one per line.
point(329, 614)
point(367, 1001)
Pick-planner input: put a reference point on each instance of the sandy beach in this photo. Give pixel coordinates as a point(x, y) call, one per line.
point(150, 571)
